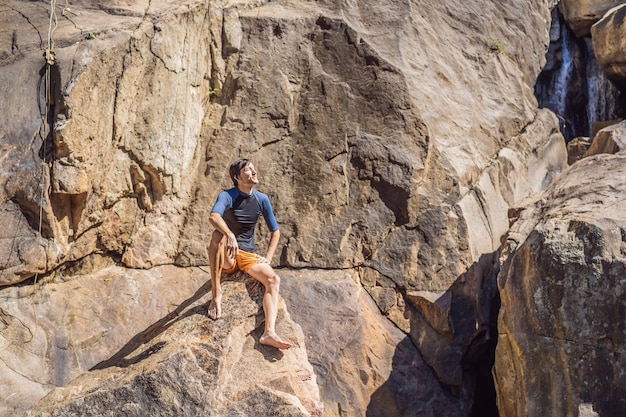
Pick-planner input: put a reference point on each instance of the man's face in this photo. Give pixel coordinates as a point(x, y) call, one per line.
point(247, 175)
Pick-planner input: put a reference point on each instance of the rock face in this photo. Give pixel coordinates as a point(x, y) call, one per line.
point(609, 45)
point(582, 14)
point(392, 137)
point(609, 140)
point(363, 363)
point(562, 338)
point(188, 365)
point(150, 161)
point(56, 330)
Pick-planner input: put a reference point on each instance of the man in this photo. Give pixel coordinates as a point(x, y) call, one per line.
point(232, 247)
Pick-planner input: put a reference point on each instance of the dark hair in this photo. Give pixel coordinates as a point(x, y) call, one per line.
point(236, 167)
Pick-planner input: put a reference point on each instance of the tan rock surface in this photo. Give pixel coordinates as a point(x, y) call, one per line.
point(562, 337)
point(611, 140)
point(188, 364)
point(394, 157)
point(185, 363)
point(582, 14)
point(364, 364)
point(576, 148)
point(609, 45)
point(52, 332)
point(390, 136)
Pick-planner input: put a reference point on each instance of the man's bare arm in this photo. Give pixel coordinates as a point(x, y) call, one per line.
point(218, 222)
point(272, 245)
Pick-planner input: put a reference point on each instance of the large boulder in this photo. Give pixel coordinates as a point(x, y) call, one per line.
point(582, 14)
point(186, 364)
point(562, 338)
point(58, 329)
point(611, 140)
point(609, 45)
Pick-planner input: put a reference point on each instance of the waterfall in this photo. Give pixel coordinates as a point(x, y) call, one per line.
point(557, 102)
point(554, 85)
point(573, 85)
point(602, 95)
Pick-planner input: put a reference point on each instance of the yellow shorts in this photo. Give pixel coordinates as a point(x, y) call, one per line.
point(244, 261)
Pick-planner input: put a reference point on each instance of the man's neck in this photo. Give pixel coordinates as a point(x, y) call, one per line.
point(245, 189)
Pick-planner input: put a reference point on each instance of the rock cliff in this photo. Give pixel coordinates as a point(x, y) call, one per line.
point(609, 44)
point(392, 138)
point(562, 339)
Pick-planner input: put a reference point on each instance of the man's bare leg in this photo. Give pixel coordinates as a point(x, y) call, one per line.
point(216, 250)
point(265, 274)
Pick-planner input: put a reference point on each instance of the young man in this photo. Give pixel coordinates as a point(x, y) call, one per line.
point(232, 247)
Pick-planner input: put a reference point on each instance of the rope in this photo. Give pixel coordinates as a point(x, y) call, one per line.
point(52, 25)
point(50, 60)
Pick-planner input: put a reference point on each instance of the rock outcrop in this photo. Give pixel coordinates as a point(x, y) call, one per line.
point(609, 45)
point(562, 338)
point(54, 331)
point(582, 14)
point(609, 140)
point(187, 364)
point(392, 137)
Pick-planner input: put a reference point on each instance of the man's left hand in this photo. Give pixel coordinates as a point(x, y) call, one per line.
point(263, 260)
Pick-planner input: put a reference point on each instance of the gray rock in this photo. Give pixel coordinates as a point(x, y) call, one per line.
point(561, 335)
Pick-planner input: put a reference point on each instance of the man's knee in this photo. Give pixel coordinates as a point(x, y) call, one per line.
point(274, 282)
point(217, 239)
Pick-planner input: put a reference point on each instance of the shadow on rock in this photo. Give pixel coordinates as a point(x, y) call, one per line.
point(454, 335)
point(120, 358)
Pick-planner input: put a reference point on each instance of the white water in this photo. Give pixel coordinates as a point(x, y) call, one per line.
point(558, 101)
point(602, 94)
point(573, 85)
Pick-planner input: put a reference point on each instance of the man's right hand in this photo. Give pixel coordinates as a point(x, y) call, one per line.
point(232, 248)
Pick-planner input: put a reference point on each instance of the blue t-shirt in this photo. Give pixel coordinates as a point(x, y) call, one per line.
point(241, 212)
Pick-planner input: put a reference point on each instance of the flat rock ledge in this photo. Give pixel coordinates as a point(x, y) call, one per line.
point(192, 366)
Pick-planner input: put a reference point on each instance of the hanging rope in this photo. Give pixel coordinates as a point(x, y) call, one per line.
point(52, 25)
point(50, 57)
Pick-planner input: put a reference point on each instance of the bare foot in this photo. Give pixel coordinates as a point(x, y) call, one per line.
point(275, 341)
point(215, 308)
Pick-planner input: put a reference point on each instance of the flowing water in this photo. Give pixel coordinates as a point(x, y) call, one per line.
point(573, 85)
point(557, 101)
point(602, 95)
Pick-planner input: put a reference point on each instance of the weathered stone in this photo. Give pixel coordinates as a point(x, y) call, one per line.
point(151, 246)
point(356, 134)
point(582, 14)
point(69, 179)
point(393, 167)
point(24, 252)
point(390, 136)
point(609, 44)
point(599, 125)
point(186, 364)
point(611, 139)
point(576, 148)
point(58, 330)
point(561, 343)
point(364, 364)
point(133, 146)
